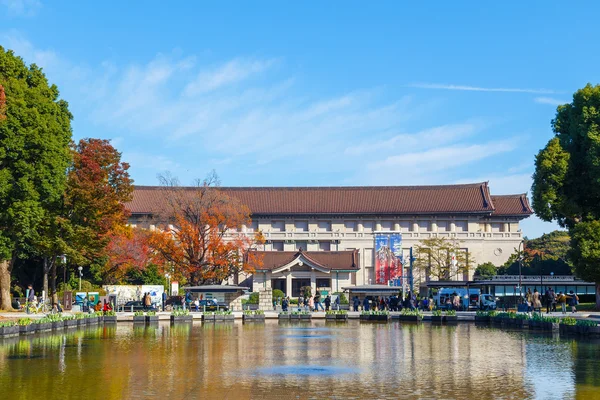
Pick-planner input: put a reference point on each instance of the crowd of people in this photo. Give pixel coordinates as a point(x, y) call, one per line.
point(552, 299)
point(312, 303)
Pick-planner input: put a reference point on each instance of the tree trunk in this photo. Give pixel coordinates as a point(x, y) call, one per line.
point(53, 282)
point(5, 302)
point(45, 270)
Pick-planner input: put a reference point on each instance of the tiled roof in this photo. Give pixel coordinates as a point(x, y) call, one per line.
point(332, 260)
point(511, 205)
point(442, 199)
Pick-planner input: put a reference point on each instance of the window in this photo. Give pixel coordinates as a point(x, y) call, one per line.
point(405, 226)
point(278, 226)
point(461, 226)
point(368, 226)
point(253, 227)
point(324, 226)
point(497, 227)
point(323, 282)
point(324, 246)
point(277, 246)
point(350, 226)
point(386, 225)
point(301, 226)
point(442, 226)
point(423, 226)
point(301, 245)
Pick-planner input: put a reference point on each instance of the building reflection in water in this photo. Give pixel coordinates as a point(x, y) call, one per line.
point(317, 359)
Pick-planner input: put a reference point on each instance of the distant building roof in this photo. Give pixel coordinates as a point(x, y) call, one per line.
point(392, 200)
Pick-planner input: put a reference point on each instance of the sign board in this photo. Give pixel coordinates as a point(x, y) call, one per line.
point(388, 257)
point(220, 297)
point(79, 296)
point(67, 300)
point(93, 298)
point(125, 293)
point(174, 288)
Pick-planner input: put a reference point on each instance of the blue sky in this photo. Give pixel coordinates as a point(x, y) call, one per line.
point(323, 93)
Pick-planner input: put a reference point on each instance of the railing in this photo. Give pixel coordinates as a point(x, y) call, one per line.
point(332, 235)
point(530, 278)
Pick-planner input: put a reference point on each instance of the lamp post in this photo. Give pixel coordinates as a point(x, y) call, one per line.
point(168, 283)
point(520, 276)
point(80, 275)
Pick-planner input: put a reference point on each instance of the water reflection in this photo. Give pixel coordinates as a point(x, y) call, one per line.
point(317, 360)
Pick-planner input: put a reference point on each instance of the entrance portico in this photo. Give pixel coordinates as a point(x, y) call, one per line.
point(288, 271)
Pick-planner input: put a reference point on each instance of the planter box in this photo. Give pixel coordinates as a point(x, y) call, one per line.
point(139, 319)
point(497, 321)
point(151, 319)
point(568, 330)
point(378, 318)
point(70, 323)
point(181, 318)
point(405, 318)
point(47, 326)
point(519, 323)
point(284, 316)
point(80, 322)
point(482, 320)
point(91, 320)
point(111, 319)
point(594, 330)
point(58, 325)
point(295, 316)
point(9, 331)
point(535, 324)
point(305, 317)
point(437, 319)
point(208, 318)
point(336, 317)
point(253, 318)
point(27, 329)
point(450, 319)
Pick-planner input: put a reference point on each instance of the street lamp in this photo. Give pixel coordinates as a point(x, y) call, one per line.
point(168, 283)
point(520, 276)
point(80, 275)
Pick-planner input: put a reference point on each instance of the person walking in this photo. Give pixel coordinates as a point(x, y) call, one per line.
point(548, 298)
point(356, 303)
point(327, 302)
point(285, 303)
point(337, 302)
point(562, 300)
point(318, 301)
point(573, 301)
point(311, 304)
point(300, 302)
point(164, 300)
point(306, 302)
point(537, 302)
point(30, 298)
point(529, 299)
point(148, 302)
point(366, 304)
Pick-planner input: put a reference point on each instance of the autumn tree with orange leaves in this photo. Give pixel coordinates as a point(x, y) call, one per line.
point(127, 251)
point(193, 239)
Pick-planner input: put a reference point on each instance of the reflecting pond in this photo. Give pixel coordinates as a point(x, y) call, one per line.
point(312, 360)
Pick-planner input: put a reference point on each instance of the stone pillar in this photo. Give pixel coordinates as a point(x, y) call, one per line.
point(377, 226)
point(415, 226)
point(506, 227)
point(452, 226)
point(288, 285)
point(265, 299)
point(434, 226)
point(313, 282)
point(396, 226)
point(359, 226)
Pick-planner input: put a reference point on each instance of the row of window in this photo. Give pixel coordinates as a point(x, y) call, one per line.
point(370, 226)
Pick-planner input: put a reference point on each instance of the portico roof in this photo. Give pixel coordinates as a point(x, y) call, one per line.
point(324, 261)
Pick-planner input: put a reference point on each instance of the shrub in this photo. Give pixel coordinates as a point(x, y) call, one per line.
point(343, 299)
point(151, 313)
point(24, 321)
point(6, 324)
point(383, 312)
point(583, 322)
point(450, 313)
point(110, 313)
point(277, 294)
point(180, 313)
point(568, 321)
point(437, 313)
point(253, 299)
point(138, 314)
point(336, 312)
point(254, 312)
point(406, 311)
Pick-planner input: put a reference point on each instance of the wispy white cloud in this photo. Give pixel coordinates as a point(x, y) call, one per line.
point(478, 88)
point(549, 100)
point(23, 8)
point(232, 72)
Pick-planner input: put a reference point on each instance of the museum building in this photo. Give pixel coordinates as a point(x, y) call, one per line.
point(325, 237)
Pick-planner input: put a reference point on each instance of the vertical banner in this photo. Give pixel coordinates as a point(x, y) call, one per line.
point(382, 251)
point(388, 257)
point(396, 255)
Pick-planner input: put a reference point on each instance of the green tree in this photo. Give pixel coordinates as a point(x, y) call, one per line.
point(35, 132)
point(486, 270)
point(566, 182)
point(441, 258)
